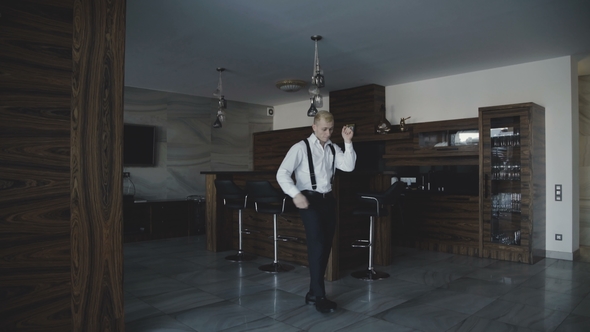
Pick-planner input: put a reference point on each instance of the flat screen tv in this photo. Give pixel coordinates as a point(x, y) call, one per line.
point(139, 145)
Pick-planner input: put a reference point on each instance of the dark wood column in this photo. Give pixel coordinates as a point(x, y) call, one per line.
point(61, 266)
point(96, 166)
point(218, 233)
point(35, 90)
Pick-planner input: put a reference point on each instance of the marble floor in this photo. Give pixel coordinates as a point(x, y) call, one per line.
point(176, 285)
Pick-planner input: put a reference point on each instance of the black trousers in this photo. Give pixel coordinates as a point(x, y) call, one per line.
point(319, 220)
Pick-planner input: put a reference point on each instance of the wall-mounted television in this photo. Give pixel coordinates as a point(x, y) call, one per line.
point(139, 145)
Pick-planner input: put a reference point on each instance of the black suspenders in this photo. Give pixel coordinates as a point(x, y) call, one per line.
point(310, 161)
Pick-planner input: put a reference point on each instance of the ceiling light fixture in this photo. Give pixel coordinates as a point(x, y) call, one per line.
point(317, 81)
point(291, 85)
point(222, 103)
point(312, 111)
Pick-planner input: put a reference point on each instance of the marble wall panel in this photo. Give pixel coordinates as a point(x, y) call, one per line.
point(584, 107)
point(150, 181)
point(584, 104)
point(148, 109)
point(232, 144)
point(189, 155)
point(224, 160)
point(188, 120)
point(186, 161)
point(187, 143)
point(584, 222)
point(185, 181)
point(585, 182)
point(584, 150)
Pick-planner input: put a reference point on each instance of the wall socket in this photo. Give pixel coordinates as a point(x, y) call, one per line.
point(558, 237)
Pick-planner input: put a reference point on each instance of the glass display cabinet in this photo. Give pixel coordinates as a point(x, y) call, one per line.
point(512, 182)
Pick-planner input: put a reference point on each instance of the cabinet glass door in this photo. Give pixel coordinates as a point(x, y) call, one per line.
point(505, 162)
point(512, 182)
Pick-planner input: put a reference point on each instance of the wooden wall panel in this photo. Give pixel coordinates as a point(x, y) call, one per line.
point(409, 152)
point(448, 223)
point(360, 106)
point(96, 167)
point(270, 147)
point(539, 178)
point(35, 90)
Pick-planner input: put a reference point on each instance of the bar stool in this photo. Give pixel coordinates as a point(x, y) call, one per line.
point(268, 199)
point(375, 205)
point(234, 198)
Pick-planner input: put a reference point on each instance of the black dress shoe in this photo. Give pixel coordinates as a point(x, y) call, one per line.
point(323, 305)
point(309, 299)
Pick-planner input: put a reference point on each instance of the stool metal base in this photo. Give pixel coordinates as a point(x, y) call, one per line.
point(369, 274)
point(276, 267)
point(240, 257)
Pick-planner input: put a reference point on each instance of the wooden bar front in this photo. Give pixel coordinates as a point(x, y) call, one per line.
point(222, 224)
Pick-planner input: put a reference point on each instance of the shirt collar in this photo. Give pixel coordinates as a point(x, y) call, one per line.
point(314, 140)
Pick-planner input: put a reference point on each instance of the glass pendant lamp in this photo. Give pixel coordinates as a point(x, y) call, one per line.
point(222, 103)
point(312, 109)
point(317, 82)
point(128, 186)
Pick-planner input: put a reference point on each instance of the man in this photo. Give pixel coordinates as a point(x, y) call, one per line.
point(312, 195)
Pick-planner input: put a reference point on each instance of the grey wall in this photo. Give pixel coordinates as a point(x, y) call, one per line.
point(187, 144)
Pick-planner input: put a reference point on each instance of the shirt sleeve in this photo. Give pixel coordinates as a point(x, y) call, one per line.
point(284, 175)
point(345, 161)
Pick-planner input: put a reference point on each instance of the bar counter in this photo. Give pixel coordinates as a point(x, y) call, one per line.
point(222, 224)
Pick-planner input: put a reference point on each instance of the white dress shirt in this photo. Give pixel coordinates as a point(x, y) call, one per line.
point(296, 162)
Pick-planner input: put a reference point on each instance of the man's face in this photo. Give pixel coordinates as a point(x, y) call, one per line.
point(323, 130)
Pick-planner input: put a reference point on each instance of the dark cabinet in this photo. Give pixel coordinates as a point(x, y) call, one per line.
point(147, 220)
point(169, 219)
point(136, 220)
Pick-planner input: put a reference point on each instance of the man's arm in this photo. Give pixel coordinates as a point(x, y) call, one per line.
point(284, 177)
point(347, 134)
point(347, 160)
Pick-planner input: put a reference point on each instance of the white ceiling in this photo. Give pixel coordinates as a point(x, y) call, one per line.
point(176, 45)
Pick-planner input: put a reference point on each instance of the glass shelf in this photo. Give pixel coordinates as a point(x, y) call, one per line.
point(505, 221)
point(446, 138)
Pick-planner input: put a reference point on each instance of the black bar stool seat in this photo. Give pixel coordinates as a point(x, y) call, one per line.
point(234, 198)
point(268, 199)
point(375, 205)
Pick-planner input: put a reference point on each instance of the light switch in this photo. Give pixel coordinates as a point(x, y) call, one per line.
point(558, 193)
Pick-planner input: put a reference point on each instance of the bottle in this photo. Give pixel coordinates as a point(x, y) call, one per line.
point(128, 186)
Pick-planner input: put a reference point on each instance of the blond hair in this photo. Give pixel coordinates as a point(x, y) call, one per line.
point(327, 116)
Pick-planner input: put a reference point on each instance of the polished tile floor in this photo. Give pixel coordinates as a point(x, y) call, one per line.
point(176, 285)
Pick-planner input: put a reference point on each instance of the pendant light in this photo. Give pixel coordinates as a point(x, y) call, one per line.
point(312, 111)
point(222, 103)
point(317, 81)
